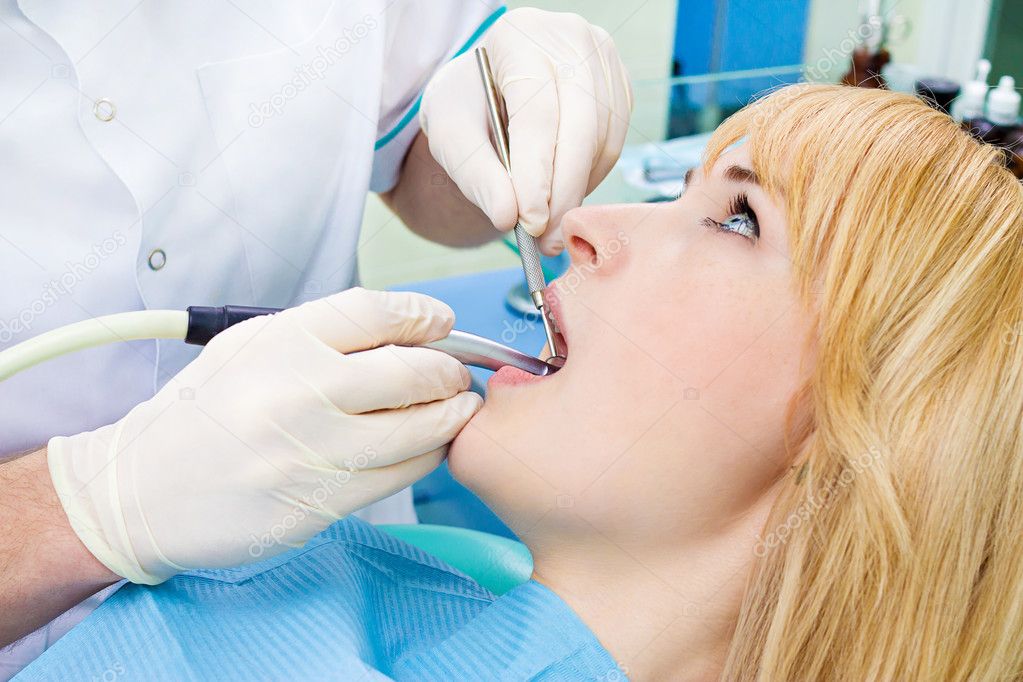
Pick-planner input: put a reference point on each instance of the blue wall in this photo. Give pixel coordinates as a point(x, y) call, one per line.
point(753, 34)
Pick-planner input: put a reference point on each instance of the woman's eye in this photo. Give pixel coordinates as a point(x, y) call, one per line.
point(742, 219)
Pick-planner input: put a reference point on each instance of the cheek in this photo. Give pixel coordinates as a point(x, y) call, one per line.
point(719, 311)
point(713, 441)
point(747, 371)
point(729, 334)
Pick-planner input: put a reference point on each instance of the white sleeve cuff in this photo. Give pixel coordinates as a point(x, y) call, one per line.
point(390, 149)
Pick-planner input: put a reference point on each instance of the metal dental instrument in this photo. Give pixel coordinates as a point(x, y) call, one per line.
point(478, 351)
point(199, 324)
point(206, 322)
point(529, 252)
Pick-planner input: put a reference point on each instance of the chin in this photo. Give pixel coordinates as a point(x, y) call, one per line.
point(478, 460)
point(468, 447)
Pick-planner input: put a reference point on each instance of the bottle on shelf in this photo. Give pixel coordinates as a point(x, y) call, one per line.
point(1003, 113)
point(969, 108)
point(938, 92)
point(871, 57)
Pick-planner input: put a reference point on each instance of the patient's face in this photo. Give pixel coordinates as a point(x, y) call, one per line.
point(684, 348)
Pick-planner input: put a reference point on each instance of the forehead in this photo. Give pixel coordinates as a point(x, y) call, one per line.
point(737, 155)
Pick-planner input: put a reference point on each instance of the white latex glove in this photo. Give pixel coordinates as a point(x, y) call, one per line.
point(282, 425)
point(569, 101)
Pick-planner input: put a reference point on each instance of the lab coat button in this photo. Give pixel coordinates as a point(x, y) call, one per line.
point(157, 259)
point(104, 110)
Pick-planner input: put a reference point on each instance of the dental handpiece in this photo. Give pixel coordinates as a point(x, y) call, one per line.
point(478, 351)
point(199, 324)
point(206, 322)
point(529, 252)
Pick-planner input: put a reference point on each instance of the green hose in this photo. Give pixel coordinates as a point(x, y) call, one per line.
point(133, 326)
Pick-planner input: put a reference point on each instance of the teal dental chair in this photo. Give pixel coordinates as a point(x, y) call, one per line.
point(495, 562)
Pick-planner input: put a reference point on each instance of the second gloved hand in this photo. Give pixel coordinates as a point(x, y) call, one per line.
point(282, 425)
point(569, 101)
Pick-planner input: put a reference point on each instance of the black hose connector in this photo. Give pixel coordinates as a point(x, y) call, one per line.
point(205, 322)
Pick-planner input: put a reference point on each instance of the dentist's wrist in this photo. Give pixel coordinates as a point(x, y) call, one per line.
point(45, 568)
point(82, 468)
point(56, 528)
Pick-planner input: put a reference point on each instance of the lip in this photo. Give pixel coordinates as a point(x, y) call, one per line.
point(512, 376)
point(557, 315)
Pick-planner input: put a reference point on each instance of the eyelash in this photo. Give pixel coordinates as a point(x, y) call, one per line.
point(739, 205)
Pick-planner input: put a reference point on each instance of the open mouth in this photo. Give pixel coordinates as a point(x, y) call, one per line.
point(509, 375)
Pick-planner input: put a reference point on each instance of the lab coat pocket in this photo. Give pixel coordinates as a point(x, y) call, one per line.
point(295, 128)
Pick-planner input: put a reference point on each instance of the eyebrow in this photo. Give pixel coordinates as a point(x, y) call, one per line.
point(741, 174)
point(733, 173)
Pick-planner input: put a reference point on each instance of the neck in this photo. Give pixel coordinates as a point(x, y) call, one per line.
point(663, 612)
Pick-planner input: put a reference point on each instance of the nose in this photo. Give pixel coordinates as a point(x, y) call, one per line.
point(595, 238)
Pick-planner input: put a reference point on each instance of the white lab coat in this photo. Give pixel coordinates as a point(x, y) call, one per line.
point(166, 153)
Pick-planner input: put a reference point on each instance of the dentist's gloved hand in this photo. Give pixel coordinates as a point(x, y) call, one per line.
point(569, 101)
point(282, 425)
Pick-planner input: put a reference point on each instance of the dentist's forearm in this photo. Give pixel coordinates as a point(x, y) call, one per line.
point(432, 206)
point(44, 567)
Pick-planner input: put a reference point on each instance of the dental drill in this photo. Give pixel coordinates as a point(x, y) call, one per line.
point(198, 324)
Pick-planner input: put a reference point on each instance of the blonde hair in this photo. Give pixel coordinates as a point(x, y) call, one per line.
point(906, 235)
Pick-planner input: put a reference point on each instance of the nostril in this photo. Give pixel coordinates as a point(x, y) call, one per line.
point(582, 250)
